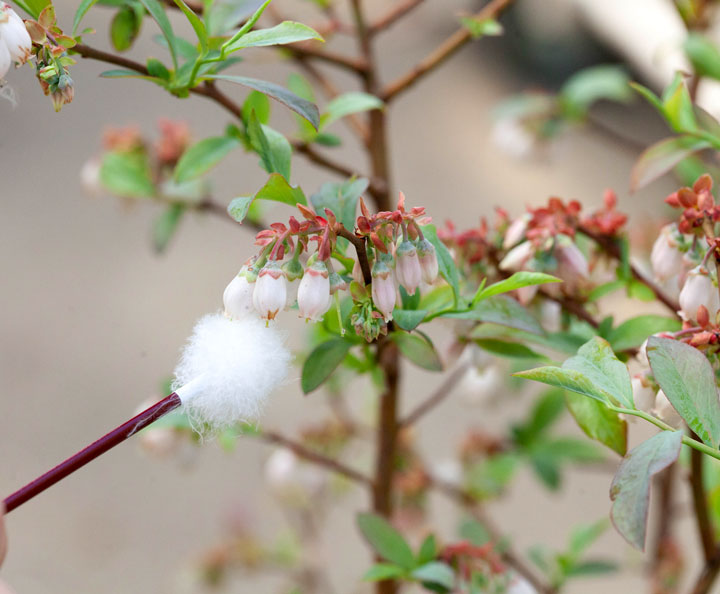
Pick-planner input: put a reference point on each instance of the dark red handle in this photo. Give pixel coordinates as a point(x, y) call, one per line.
point(95, 449)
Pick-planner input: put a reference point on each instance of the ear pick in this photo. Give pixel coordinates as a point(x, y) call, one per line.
point(227, 369)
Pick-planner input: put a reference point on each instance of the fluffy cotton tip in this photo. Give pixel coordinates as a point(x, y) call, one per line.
point(227, 370)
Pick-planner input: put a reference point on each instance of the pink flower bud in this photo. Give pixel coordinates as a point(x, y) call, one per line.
point(516, 231)
point(666, 259)
point(643, 393)
point(517, 257)
point(698, 290)
point(407, 266)
point(383, 289)
point(238, 297)
point(572, 266)
point(428, 261)
point(14, 35)
point(314, 292)
point(270, 294)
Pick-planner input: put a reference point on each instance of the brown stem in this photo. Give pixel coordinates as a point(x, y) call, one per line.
point(700, 505)
point(664, 516)
point(469, 503)
point(708, 575)
point(306, 50)
point(387, 354)
point(316, 458)
point(444, 51)
point(396, 12)
point(437, 396)
point(360, 250)
point(377, 142)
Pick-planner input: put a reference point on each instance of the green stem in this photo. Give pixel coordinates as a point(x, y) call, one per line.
point(693, 443)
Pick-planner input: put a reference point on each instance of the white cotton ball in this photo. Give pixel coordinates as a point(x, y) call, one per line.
point(228, 368)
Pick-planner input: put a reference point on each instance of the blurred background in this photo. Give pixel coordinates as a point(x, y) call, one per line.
point(93, 320)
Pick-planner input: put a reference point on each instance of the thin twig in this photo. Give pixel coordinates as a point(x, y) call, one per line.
point(316, 458)
point(612, 249)
point(360, 250)
point(396, 12)
point(442, 392)
point(307, 50)
point(700, 505)
point(211, 91)
point(469, 503)
point(444, 51)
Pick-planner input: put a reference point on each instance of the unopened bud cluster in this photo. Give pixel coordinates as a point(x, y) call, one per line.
point(391, 253)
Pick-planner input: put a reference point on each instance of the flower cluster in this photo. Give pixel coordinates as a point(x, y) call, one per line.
point(15, 42)
point(392, 252)
point(543, 239)
point(686, 264)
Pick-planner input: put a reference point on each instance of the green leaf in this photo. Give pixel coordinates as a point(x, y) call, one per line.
point(630, 489)
point(633, 332)
point(166, 225)
point(688, 380)
point(591, 85)
point(435, 572)
point(300, 106)
point(223, 15)
point(124, 28)
point(594, 372)
point(592, 568)
point(158, 14)
point(598, 422)
point(203, 156)
point(662, 156)
point(281, 34)
point(276, 189)
point(475, 532)
point(385, 540)
point(428, 550)
point(409, 319)
point(584, 535)
point(446, 264)
point(516, 281)
point(678, 106)
point(703, 55)
point(239, 207)
point(567, 379)
point(273, 148)
point(597, 361)
point(80, 13)
point(127, 175)
point(349, 103)
point(502, 310)
point(324, 359)
point(259, 103)
point(481, 27)
point(546, 411)
point(341, 198)
point(196, 23)
point(503, 348)
point(33, 7)
point(383, 571)
point(418, 350)
point(119, 73)
point(490, 476)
